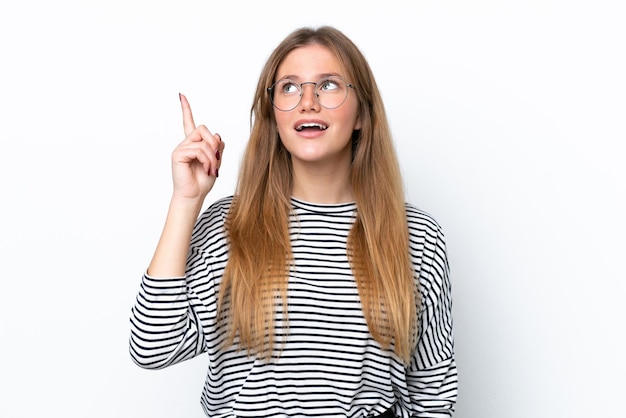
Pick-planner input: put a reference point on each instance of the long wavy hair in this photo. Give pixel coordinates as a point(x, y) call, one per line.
point(257, 225)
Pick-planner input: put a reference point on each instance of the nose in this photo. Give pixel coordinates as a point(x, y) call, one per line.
point(309, 96)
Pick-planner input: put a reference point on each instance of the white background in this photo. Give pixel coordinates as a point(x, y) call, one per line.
point(509, 123)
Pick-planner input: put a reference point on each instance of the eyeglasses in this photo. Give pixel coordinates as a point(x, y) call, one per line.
point(330, 92)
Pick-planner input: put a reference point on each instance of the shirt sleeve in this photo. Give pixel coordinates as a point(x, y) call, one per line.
point(432, 374)
point(172, 317)
point(164, 328)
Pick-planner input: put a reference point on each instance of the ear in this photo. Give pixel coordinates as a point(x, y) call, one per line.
point(357, 122)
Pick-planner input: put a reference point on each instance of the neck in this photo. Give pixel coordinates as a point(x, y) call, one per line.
point(315, 184)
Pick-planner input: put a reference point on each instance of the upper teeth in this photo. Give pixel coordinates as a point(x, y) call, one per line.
point(311, 125)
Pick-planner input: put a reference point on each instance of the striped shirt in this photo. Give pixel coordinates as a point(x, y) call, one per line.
point(326, 363)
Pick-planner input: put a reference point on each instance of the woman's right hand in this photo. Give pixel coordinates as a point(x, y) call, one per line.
point(196, 160)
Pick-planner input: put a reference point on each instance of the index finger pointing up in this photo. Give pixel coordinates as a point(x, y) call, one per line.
point(188, 123)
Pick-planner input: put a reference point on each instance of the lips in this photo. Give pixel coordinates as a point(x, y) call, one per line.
point(311, 125)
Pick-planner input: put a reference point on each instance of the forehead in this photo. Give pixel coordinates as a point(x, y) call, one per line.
point(309, 62)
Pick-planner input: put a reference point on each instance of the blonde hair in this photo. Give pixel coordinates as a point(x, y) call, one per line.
point(258, 222)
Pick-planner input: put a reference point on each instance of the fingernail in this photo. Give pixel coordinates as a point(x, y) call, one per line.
point(217, 154)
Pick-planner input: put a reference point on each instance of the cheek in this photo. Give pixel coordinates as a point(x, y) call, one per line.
point(282, 122)
point(351, 118)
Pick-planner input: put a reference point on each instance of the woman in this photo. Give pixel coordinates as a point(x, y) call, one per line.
point(315, 290)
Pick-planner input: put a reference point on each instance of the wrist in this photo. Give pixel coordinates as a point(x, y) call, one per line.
point(186, 204)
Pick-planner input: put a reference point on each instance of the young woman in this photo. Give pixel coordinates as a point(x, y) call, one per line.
point(315, 290)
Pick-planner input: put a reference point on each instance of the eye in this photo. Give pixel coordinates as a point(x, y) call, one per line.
point(329, 85)
point(288, 87)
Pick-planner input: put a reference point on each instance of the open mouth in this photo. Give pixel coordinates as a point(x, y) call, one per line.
point(307, 126)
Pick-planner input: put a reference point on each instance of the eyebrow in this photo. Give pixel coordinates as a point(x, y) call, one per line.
point(319, 76)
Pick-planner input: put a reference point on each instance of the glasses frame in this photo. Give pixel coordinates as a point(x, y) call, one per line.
point(270, 91)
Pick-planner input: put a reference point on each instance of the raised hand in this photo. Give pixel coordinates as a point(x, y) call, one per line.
point(197, 159)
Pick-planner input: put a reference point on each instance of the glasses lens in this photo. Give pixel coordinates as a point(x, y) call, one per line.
point(286, 94)
point(331, 92)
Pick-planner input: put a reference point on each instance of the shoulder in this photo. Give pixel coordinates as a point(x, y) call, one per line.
point(427, 242)
point(210, 224)
point(220, 205)
point(422, 223)
point(429, 254)
point(216, 210)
